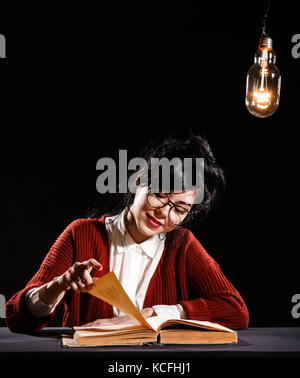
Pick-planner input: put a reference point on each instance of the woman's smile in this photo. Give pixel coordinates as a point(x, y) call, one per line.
point(153, 221)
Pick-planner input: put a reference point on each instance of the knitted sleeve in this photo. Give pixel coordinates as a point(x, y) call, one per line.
point(214, 298)
point(58, 260)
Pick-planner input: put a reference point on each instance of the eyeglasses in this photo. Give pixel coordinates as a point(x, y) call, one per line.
point(178, 215)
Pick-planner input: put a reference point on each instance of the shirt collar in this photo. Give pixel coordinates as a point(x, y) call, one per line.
point(122, 236)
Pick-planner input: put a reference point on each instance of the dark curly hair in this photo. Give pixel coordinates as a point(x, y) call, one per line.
point(193, 147)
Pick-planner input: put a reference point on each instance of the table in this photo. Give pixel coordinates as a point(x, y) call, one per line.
point(272, 344)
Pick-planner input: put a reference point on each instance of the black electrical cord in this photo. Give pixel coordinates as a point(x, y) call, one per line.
point(263, 34)
point(265, 17)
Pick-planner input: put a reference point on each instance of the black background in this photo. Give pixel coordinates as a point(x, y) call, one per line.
point(80, 84)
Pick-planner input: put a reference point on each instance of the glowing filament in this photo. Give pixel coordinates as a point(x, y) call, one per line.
point(262, 98)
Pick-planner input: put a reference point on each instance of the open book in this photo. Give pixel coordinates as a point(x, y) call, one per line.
point(155, 329)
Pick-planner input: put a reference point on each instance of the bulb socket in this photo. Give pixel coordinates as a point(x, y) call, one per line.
point(265, 42)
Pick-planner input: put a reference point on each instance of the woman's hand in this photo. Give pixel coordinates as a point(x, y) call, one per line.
point(78, 276)
point(146, 312)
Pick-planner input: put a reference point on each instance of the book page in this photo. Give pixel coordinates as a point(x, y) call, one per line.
point(208, 325)
point(108, 328)
point(158, 322)
point(109, 289)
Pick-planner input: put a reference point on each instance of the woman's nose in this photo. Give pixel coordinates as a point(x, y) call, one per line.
point(163, 211)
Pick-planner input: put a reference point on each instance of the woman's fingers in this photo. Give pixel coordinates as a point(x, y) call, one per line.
point(78, 276)
point(92, 263)
point(73, 286)
point(147, 312)
point(86, 278)
point(110, 321)
point(85, 269)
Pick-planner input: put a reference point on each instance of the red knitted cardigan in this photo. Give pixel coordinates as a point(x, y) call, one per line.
point(186, 274)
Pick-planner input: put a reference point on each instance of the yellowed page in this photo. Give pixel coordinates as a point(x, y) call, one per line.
point(109, 289)
point(208, 325)
point(108, 328)
point(158, 322)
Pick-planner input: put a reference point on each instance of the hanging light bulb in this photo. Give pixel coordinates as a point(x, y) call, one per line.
point(263, 79)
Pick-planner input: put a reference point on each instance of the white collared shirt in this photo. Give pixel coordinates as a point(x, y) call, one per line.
point(133, 264)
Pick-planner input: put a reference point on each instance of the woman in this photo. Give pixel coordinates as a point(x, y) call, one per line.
point(146, 241)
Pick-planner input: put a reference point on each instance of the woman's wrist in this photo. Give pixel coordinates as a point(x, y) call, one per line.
point(51, 292)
